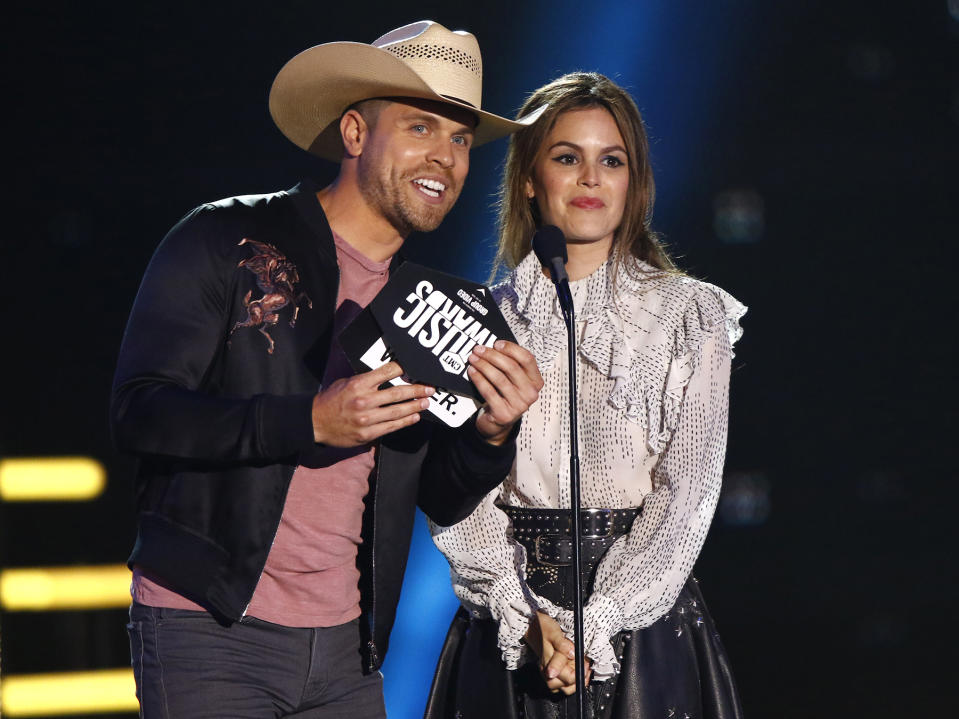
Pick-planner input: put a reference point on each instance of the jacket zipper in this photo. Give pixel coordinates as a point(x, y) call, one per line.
point(336, 262)
point(247, 607)
point(263, 568)
point(371, 644)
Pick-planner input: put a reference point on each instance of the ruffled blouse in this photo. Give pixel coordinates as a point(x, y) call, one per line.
point(654, 354)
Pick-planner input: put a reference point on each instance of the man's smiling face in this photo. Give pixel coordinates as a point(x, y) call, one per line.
point(413, 165)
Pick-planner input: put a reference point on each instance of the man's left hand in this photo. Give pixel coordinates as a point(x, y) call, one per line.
point(509, 380)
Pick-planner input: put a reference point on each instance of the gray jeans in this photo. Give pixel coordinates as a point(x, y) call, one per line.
point(187, 666)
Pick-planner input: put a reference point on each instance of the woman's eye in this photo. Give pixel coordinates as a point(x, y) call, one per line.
point(565, 159)
point(610, 161)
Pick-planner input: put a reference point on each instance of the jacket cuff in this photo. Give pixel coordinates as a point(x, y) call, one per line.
point(477, 443)
point(285, 424)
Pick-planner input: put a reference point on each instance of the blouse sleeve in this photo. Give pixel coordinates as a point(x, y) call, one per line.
point(642, 574)
point(486, 567)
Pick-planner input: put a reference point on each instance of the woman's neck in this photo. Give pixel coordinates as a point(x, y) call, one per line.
point(585, 257)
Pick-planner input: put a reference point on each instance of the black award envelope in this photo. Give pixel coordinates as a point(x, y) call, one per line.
point(429, 322)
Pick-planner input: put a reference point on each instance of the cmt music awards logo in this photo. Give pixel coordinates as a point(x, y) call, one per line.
point(429, 322)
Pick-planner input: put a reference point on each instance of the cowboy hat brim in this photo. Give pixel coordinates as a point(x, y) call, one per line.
point(311, 92)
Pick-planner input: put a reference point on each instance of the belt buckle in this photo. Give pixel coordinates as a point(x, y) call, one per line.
point(609, 523)
point(539, 557)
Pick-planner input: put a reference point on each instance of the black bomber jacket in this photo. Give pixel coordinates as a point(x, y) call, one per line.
point(219, 422)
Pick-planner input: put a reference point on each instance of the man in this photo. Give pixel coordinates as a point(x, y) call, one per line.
point(255, 491)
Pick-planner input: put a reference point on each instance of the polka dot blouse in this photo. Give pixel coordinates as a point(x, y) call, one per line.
point(654, 354)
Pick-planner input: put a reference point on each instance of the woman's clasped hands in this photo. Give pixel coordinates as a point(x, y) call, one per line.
point(557, 660)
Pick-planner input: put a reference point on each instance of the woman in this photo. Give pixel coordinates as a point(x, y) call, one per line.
point(654, 349)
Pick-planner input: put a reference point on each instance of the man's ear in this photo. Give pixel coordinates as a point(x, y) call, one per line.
point(355, 133)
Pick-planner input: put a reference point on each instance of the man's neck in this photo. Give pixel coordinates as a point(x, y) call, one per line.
point(356, 222)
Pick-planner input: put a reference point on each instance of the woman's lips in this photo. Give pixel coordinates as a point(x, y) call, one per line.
point(588, 203)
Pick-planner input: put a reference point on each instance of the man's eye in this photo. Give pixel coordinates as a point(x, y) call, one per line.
point(460, 140)
point(420, 129)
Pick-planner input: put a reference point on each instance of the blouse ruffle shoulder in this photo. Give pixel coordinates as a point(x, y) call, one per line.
point(642, 327)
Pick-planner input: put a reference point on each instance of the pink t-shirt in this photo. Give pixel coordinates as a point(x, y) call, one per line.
point(310, 578)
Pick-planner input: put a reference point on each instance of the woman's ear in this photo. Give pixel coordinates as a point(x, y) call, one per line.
point(355, 132)
point(530, 194)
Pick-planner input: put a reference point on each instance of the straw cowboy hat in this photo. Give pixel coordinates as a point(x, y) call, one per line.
point(421, 60)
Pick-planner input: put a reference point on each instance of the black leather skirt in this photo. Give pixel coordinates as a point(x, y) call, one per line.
point(677, 667)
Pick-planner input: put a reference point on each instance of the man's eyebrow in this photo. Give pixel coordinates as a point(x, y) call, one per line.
point(432, 119)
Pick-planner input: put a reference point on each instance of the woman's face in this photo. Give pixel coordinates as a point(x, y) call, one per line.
point(580, 177)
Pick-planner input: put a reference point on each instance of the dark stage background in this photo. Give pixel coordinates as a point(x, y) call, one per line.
point(805, 156)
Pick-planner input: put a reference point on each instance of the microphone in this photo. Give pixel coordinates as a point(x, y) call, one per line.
point(549, 244)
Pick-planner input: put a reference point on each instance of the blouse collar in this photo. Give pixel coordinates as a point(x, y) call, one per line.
point(595, 303)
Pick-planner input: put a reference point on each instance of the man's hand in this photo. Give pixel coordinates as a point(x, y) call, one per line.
point(507, 377)
point(352, 412)
point(556, 654)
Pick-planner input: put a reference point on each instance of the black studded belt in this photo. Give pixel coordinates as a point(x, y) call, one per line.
point(547, 536)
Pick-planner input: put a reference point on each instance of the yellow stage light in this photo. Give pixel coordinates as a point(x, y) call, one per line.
point(66, 693)
point(51, 479)
point(53, 588)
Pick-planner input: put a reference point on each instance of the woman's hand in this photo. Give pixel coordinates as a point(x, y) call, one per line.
point(507, 377)
point(557, 654)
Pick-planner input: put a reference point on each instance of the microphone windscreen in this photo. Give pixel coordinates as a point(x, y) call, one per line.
point(549, 243)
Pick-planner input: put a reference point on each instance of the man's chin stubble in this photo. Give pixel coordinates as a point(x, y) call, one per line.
point(409, 219)
point(400, 211)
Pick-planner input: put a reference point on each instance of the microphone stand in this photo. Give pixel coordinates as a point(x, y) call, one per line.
point(566, 304)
